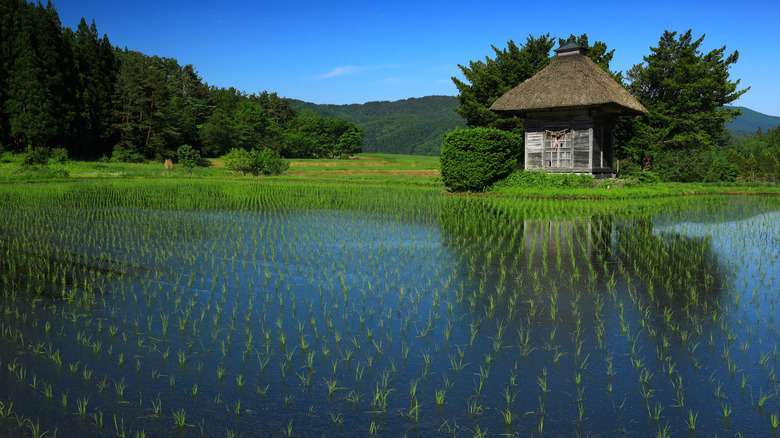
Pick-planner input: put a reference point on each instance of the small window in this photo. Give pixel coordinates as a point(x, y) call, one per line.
point(558, 148)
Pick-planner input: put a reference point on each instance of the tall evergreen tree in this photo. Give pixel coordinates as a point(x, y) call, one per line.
point(38, 102)
point(188, 106)
point(141, 108)
point(684, 91)
point(490, 79)
point(95, 71)
point(278, 109)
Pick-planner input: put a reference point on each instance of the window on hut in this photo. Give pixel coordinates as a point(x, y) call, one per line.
point(558, 148)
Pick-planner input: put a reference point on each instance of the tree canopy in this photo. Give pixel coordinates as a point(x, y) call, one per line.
point(488, 80)
point(71, 89)
point(684, 91)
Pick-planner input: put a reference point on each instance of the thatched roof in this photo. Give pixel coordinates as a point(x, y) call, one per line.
point(570, 81)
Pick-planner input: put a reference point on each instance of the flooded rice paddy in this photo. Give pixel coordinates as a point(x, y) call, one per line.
point(211, 309)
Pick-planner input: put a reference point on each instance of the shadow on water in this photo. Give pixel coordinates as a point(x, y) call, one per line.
point(680, 272)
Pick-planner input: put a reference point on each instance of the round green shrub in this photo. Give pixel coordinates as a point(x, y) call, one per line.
point(473, 159)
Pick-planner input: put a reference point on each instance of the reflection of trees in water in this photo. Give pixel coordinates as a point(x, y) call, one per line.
point(573, 247)
point(680, 272)
point(498, 244)
point(498, 241)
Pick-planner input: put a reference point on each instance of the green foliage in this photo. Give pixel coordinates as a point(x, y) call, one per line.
point(217, 134)
point(255, 162)
point(473, 159)
point(533, 179)
point(722, 171)
point(272, 162)
point(95, 68)
point(143, 113)
point(239, 160)
point(408, 126)
point(36, 157)
point(684, 92)
point(58, 156)
point(682, 165)
point(320, 137)
point(644, 177)
point(37, 68)
point(188, 157)
point(123, 155)
point(488, 80)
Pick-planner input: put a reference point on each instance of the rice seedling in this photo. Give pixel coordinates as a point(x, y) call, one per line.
point(239, 274)
point(691, 421)
point(179, 418)
point(726, 409)
point(440, 393)
point(81, 404)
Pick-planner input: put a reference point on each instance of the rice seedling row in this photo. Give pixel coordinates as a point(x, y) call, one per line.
point(222, 308)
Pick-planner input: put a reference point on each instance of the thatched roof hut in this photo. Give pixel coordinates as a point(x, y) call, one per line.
point(570, 108)
point(570, 81)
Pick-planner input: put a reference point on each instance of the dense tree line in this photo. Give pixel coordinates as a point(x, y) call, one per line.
point(755, 158)
point(61, 88)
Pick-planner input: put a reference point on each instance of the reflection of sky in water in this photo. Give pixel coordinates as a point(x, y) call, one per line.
point(748, 250)
point(749, 247)
point(396, 290)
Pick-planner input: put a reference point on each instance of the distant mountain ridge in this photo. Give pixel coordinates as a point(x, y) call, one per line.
point(410, 126)
point(415, 126)
point(749, 122)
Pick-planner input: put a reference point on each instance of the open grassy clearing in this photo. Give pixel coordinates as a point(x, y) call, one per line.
point(397, 169)
point(386, 169)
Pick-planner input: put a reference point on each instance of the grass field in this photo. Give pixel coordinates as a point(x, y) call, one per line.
point(365, 168)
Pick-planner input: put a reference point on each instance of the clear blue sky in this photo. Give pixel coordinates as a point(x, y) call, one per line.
point(359, 51)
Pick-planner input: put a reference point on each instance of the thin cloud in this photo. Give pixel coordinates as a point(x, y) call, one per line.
point(341, 71)
point(354, 69)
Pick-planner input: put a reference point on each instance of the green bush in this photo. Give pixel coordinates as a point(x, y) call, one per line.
point(643, 177)
point(681, 165)
point(272, 162)
point(722, 171)
point(265, 161)
point(6, 156)
point(36, 157)
point(188, 157)
point(124, 155)
point(473, 159)
point(58, 156)
point(541, 179)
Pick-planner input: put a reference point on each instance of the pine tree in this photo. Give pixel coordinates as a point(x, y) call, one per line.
point(38, 102)
point(490, 79)
point(95, 72)
point(684, 91)
point(141, 109)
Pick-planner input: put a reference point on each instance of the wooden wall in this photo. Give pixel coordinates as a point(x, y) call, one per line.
point(591, 141)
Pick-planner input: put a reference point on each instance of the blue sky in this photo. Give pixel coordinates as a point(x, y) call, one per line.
point(359, 51)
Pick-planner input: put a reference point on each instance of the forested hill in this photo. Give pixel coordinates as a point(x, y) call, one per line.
point(415, 125)
point(750, 121)
point(409, 126)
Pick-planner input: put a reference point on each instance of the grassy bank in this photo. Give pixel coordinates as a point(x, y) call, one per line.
point(365, 168)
